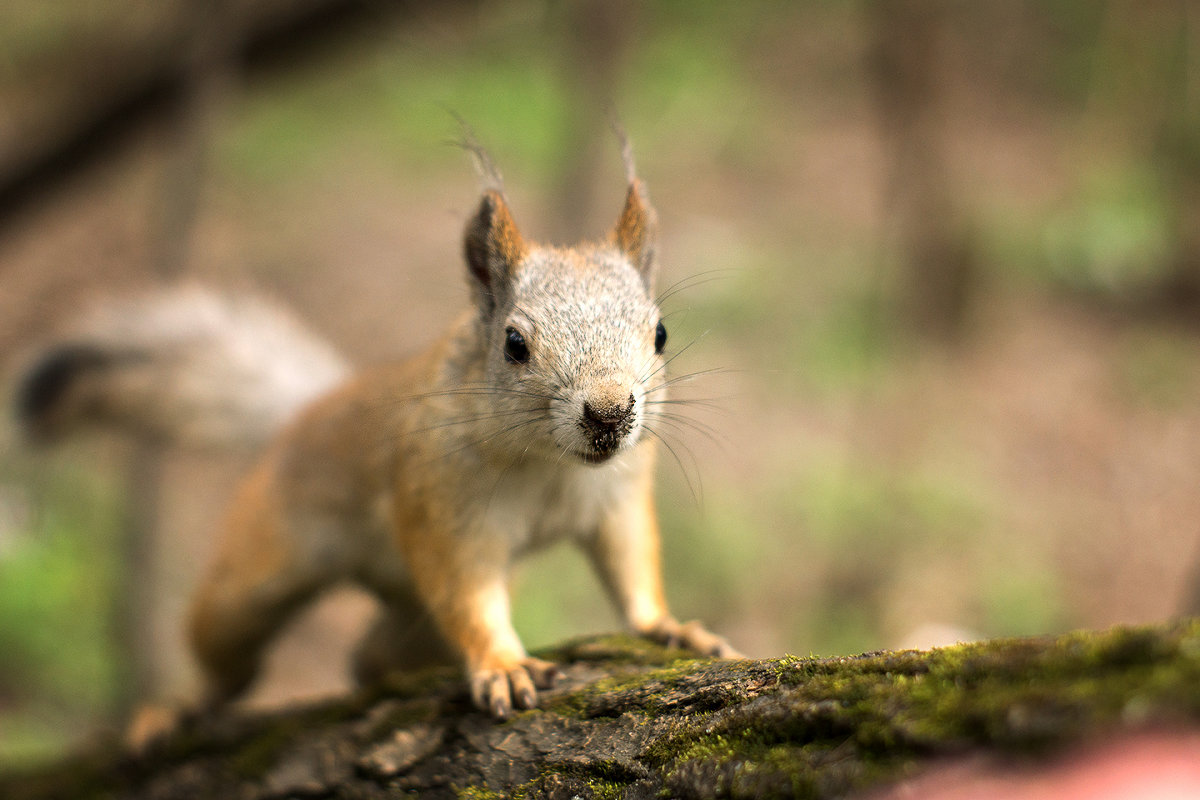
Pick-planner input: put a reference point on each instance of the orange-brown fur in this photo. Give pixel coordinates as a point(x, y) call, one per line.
point(403, 481)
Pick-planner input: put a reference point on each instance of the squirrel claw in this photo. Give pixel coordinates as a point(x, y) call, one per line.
point(499, 691)
point(691, 636)
point(544, 673)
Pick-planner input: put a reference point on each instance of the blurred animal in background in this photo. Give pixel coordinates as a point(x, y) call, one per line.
point(533, 419)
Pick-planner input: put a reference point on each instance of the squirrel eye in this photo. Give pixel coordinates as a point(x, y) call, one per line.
point(660, 338)
point(515, 349)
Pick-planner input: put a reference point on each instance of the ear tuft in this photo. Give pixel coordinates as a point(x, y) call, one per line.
point(489, 176)
point(493, 247)
point(636, 230)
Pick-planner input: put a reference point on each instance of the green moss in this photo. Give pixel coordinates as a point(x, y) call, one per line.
point(578, 704)
point(607, 790)
point(843, 723)
point(418, 685)
point(57, 574)
point(614, 649)
point(255, 741)
point(625, 657)
point(255, 757)
point(799, 727)
point(598, 780)
point(642, 692)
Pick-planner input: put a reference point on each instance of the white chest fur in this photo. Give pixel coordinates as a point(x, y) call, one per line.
point(540, 503)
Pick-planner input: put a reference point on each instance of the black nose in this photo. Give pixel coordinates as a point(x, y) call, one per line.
point(607, 416)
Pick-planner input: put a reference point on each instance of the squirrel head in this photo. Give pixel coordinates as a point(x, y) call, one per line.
point(573, 336)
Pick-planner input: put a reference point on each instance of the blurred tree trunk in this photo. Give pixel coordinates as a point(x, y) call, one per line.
point(594, 42)
point(1146, 87)
point(146, 548)
point(1180, 164)
point(1178, 152)
point(1176, 142)
point(925, 226)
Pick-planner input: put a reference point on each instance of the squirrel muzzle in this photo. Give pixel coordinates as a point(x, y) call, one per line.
point(607, 419)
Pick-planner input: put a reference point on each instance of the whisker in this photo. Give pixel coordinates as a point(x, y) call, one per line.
point(500, 478)
point(687, 378)
point(484, 390)
point(674, 356)
point(707, 403)
point(646, 364)
point(491, 436)
point(562, 453)
point(680, 422)
point(467, 390)
point(477, 418)
point(696, 498)
point(692, 281)
point(681, 434)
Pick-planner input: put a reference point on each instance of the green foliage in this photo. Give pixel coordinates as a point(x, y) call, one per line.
point(867, 530)
point(798, 317)
point(684, 71)
point(859, 537)
point(849, 345)
point(1115, 237)
point(393, 104)
point(56, 585)
point(855, 506)
point(1017, 597)
point(394, 108)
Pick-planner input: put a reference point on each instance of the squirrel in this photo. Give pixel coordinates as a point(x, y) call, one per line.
point(533, 419)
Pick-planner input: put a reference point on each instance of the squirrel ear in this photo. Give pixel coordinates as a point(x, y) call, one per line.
point(636, 230)
point(493, 247)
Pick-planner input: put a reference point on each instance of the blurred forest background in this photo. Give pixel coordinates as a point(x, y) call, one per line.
point(946, 255)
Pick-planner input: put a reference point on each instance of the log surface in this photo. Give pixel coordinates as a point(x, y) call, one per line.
point(635, 720)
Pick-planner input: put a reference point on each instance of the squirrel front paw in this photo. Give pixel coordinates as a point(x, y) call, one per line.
point(691, 636)
point(498, 690)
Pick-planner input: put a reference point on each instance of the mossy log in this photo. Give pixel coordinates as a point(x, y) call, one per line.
point(634, 720)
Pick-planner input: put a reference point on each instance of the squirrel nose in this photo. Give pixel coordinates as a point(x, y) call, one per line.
point(606, 414)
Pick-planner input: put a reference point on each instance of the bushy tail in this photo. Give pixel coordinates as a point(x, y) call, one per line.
point(187, 365)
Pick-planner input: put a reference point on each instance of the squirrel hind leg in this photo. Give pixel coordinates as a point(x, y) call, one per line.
point(230, 632)
point(402, 638)
point(265, 571)
point(258, 582)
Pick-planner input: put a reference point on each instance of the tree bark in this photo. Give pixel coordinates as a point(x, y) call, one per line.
point(925, 223)
point(635, 720)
